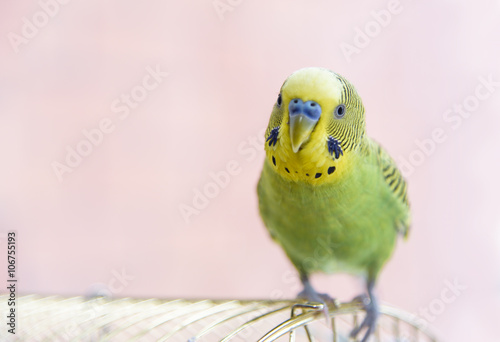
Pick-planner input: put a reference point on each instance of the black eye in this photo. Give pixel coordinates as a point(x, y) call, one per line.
point(340, 111)
point(278, 102)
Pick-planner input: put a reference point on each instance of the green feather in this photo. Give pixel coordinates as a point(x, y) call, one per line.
point(346, 227)
point(349, 224)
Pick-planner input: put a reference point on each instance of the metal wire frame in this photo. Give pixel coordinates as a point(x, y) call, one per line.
point(55, 318)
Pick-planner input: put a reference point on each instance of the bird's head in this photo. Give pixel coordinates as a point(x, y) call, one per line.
point(317, 121)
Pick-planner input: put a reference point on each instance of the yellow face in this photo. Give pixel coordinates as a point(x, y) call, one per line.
point(316, 122)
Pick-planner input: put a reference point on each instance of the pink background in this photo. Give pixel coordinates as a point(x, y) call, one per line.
point(118, 210)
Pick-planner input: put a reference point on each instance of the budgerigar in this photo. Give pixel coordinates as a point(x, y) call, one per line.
point(328, 194)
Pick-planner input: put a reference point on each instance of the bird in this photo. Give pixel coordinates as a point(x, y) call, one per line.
point(329, 195)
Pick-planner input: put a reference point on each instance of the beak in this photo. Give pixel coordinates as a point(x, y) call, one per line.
point(303, 118)
point(300, 129)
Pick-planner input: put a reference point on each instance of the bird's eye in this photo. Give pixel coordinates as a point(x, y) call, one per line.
point(278, 102)
point(339, 111)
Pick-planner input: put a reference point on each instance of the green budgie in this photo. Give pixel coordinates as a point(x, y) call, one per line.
point(328, 194)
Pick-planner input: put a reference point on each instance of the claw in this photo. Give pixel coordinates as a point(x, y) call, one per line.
point(310, 294)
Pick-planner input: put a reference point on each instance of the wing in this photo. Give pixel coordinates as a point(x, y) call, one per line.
point(396, 183)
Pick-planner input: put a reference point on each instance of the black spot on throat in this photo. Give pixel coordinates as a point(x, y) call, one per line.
point(331, 169)
point(274, 161)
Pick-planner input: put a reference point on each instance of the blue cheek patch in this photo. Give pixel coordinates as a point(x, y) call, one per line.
point(273, 136)
point(334, 147)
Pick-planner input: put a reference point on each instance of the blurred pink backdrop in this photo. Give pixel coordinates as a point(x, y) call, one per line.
point(115, 218)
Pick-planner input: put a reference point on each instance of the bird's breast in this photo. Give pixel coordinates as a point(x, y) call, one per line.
point(336, 226)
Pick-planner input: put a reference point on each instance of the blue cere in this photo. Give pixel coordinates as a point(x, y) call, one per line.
point(310, 109)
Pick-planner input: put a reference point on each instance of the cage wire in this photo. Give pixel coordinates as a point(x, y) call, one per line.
point(55, 318)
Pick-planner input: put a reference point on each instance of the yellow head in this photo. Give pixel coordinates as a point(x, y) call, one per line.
point(316, 123)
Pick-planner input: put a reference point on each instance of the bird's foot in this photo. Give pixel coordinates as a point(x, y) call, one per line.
point(311, 295)
point(370, 321)
point(314, 296)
